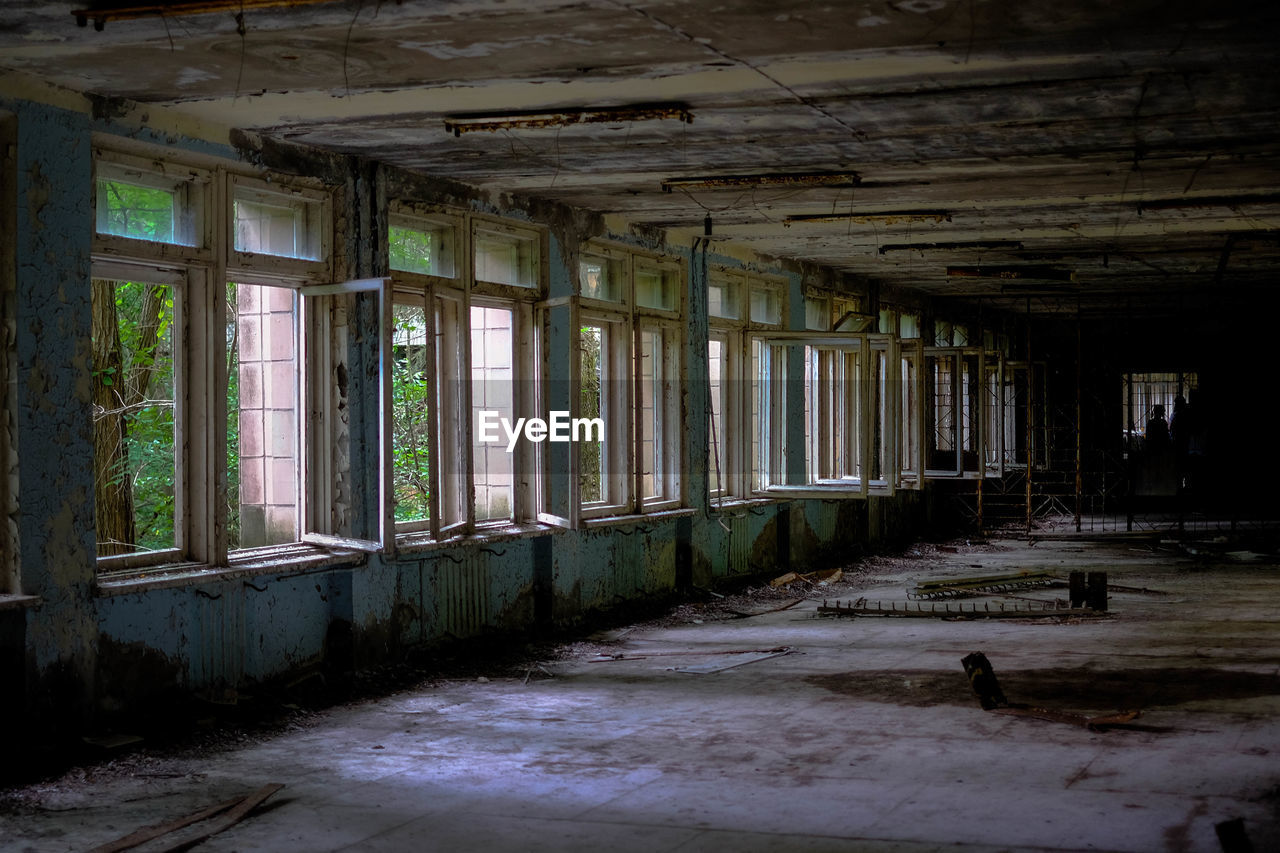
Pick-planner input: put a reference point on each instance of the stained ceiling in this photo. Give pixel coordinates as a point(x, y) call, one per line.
point(1084, 152)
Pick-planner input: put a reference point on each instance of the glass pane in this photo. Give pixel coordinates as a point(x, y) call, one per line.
point(652, 412)
point(909, 326)
point(410, 423)
point(591, 477)
point(907, 449)
point(133, 416)
point(504, 259)
point(722, 300)
point(817, 315)
point(600, 278)
point(276, 225)
point(766, 306)
point(424, 250)
point(717, 368)
point(491, 391)
point(140, 212)
point(262, 421)
point(655, 289)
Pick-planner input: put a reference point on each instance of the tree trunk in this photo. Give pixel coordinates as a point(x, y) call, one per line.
point(139, 379)
point(113, 493)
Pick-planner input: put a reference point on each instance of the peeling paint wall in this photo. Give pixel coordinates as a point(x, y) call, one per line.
point(51, 421)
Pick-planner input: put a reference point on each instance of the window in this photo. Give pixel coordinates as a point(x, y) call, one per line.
point(1149, 396)
point(505, 254)
point(853, 392)
point(201, 448)
point(963, 412)
point(463, 364)
point(269, 221)
point(140, 200)
point(628, 338)
point(747, 417)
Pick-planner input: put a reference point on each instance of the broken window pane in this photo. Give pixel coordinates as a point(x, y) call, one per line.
point(505, 259)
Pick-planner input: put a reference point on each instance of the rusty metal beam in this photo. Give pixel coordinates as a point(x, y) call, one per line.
point(885, 217)
point(773, 179)
point(491, 122)
point(1038, 273)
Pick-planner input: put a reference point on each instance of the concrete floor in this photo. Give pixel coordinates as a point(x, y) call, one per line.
point(866, 737)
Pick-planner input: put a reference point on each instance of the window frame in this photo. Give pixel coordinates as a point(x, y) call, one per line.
point(199, 272)
point(625, 436)
point(856, 413)
point(451, 415)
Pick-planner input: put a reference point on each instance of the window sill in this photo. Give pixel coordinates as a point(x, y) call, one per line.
point(735, 504)
point(416, 543)
point(638, 518)
point(283, 559)
point(19, 602)
point(816, 491)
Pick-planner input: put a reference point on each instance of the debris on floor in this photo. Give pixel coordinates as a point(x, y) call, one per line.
point(233, 811)
point(746, 614)
point(954, 587)
point(982, 678)
point(607, 657)
point(818, 578)
point(720, 664)
point(948, 610)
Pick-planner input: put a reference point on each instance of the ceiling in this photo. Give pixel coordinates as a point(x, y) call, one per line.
point(1086, 152)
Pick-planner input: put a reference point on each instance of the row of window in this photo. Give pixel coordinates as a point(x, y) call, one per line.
point(224, 384)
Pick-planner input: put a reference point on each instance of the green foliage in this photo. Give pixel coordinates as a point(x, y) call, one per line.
point(410, 250)
point(129, 210)
point(143, 395)
point(411, 388)
point(233, 420)
point(590, 479)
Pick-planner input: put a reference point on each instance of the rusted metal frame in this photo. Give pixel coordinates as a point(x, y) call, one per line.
point(862, 608)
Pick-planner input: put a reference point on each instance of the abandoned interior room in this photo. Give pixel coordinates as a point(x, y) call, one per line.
point(640, 425)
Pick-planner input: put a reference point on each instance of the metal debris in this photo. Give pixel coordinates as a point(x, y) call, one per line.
point(954, 587)
point(944, 610)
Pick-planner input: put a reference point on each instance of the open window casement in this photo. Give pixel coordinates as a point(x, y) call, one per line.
point(605, 484)
point(155, 469)
point(957, 411)
point(911, 435)
point(851, 397)
point(326, 468)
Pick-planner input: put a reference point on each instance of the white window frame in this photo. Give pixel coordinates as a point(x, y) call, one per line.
point(752, 459)
point(199, 273)
point(856, 406)
point(624, 434)
point(451, 430)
